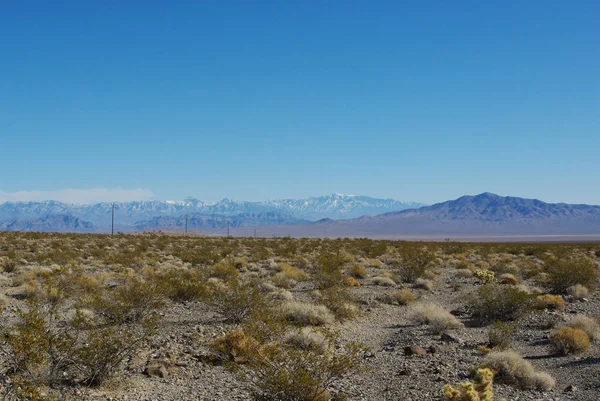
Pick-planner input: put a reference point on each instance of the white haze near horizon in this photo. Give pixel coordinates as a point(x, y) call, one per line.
point(81, 196)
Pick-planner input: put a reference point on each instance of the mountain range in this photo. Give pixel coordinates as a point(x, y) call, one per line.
point(156, 215)
point(482, 215)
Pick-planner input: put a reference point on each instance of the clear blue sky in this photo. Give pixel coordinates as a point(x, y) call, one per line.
point(252, 100)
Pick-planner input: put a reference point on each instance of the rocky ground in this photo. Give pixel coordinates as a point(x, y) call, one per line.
point(405, 360)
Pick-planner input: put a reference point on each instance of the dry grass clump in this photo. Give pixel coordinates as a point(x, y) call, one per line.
point(292, 272)
point(308, 339)
point(384, 281)
point(508, 278)
point(512, 369)
point(358, 271)
point(464, 273)
point(438, 318)
point(587, 324)
point(424, 284)
point(352, 282)
point(549, 301)
point(567, 340)
point(403, 297)
point(236, 346)
point(307, 314)
point(578, 291)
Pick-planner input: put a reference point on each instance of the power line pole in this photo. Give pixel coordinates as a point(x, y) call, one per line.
point(227, 228)
point(112, 230)
point(186, 223)
point(255, 233)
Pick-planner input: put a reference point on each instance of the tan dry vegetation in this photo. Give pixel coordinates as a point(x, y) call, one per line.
point(282, 315)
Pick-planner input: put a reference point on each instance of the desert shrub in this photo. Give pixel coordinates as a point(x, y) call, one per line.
point(438, 318)
point(307, 314)
point(358, 271)
point(8, 265)
point(578, 291)
point(292, 272)
point(340, 302)
point(41, 351)
point(328, 272)
point(549, 301)
point(414, 263)
point(352, 282)
point(132, 300)
point(182, 285)
point(564, 273)
point(567, 340)
point(403, 297)
point(479, 390)
point(384, 281)
point(236, 346)
point(501, 333)
point(103, 348)
point(308, 339)
point(237, 301)
point(288, 373)
point(508, 278)
point(587, 324)
point(424, 284)
point(495, 302)
point(464, 273)
point(225, 271)
point(512, 369)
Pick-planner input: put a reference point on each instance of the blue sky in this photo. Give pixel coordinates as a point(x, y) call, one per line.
point(420, 100)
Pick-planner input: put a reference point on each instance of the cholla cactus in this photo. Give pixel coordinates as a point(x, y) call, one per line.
point(479, 390)
point(485, 276)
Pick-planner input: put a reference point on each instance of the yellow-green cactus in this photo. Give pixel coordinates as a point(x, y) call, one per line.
point(479, 390)
point(485, 276)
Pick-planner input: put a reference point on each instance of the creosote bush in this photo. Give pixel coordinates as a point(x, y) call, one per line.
point(413, 263)
point(495, 302)
point(501, 333)
point(566, 272)
point(285, 372)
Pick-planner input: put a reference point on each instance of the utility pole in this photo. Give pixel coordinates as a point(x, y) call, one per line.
point(112, 230)
point(227, 228)
point(255, 233)
point(186, 222)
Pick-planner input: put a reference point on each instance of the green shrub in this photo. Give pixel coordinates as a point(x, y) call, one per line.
point(564, 273)
point(132, 300)
point(285, 372)
point(237, 301)
point(414, 262)
point(501, 333)
point(503, 303)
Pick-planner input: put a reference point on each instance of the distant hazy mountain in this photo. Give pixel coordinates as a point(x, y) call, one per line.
point(130, 216)
point(482, 215)
point(339, 206)
point(48, 223)
point(202, 222)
